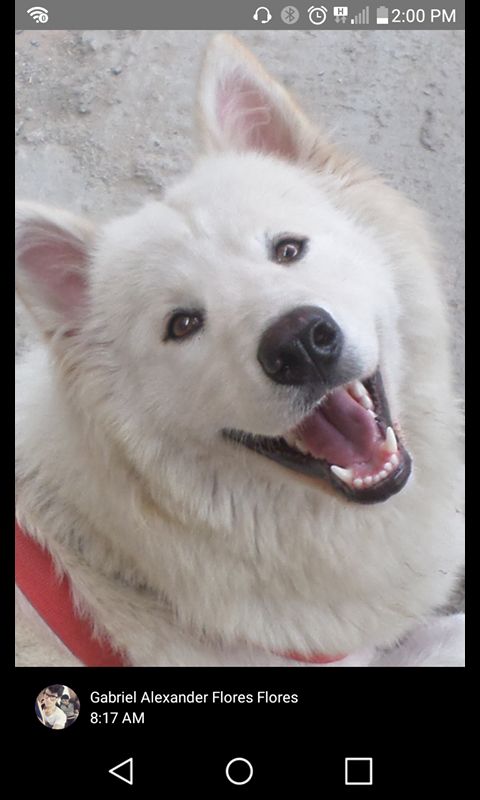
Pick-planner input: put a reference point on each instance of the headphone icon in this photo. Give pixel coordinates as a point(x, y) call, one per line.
point(257, 14)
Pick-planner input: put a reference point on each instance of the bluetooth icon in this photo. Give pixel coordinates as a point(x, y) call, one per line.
point(290, 15)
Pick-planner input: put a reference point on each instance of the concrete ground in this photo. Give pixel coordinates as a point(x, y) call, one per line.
point(104, 118)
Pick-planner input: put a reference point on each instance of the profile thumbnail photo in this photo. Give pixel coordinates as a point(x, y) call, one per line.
point(57, 707)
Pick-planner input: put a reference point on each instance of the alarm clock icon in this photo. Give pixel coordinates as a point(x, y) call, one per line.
point(317, 14)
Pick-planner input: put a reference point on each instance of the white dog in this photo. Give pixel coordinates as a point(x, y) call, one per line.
point(237, 441)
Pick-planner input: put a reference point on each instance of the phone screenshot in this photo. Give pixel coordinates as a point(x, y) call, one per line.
point(239, 514)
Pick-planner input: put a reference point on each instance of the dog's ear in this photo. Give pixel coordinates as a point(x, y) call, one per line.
point(242, 108)
point(52, 255)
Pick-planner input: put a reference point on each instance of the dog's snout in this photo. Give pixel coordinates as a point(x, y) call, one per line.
point(301, 347)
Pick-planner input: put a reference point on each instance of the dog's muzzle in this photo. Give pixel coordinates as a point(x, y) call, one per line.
point(347, 436)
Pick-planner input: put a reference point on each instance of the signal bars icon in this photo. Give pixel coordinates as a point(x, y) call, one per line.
point(363, 18)
point(39, 14)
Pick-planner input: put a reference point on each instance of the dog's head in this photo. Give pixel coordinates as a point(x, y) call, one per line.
point(254, 303)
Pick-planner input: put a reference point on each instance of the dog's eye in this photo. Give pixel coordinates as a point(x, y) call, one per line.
point(288, 249)
point(184, 324)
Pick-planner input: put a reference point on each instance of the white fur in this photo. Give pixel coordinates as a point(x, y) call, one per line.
point(185, 548)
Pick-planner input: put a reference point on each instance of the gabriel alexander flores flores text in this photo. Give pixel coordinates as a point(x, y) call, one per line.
point(191, 697)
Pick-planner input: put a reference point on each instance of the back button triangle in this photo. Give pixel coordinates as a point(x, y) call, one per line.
point(128, 770)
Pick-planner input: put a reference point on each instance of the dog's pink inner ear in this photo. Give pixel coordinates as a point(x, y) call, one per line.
point(56, 270)
point(250, 119)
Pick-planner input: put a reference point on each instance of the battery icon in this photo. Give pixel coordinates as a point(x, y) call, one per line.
point(382, 15)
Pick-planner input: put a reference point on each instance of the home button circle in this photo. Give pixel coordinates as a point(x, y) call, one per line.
point(239, 771)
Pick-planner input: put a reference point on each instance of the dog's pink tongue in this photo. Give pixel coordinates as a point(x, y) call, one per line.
point(340, 431)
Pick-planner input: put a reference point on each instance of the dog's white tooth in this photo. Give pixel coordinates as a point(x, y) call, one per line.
point(382, 475)
point(394, 460)
point(345, 475)
point(390, 444)
point(290, 439)
point(358, 483)
point(387, 466)
point(372, 413)
point(368, 480)
point(375, 478)
point(358, 389)
point(366, 402)
point(300, 446)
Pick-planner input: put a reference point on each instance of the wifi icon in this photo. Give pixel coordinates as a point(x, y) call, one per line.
point(38, 13)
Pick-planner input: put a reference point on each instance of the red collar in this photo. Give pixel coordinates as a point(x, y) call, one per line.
point(50, 596)
point(311, 658)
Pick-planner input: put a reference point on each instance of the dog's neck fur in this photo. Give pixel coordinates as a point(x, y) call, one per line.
point(275, 573)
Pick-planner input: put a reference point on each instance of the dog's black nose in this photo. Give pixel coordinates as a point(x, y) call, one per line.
point(301, 347)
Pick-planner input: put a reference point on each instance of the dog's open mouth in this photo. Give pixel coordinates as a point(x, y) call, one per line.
point(348, 439)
